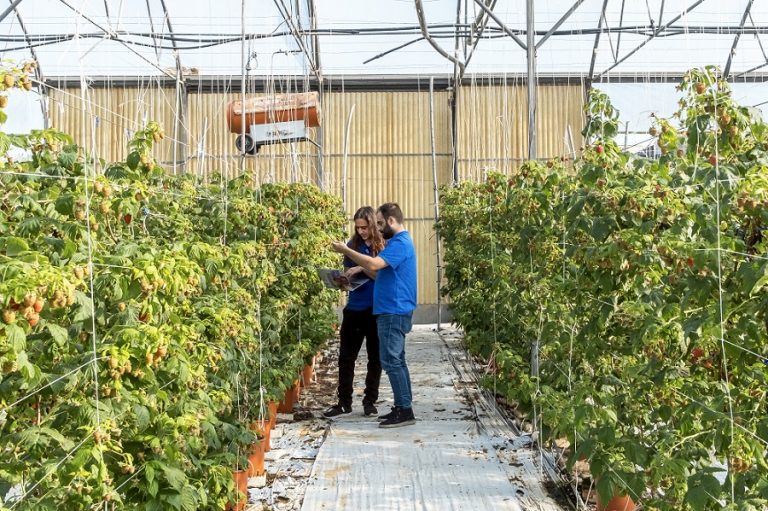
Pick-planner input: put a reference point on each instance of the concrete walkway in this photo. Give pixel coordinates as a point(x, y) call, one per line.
point(453, 458)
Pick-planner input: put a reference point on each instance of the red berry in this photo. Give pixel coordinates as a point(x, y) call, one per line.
point(599, 149)
point(127, 218)
point(690, 262)
point(696, 354)
point(713, 160)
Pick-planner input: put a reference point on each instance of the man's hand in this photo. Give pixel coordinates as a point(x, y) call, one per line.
point(339, 246)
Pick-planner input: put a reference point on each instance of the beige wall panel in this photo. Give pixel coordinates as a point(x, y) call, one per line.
point(104, 120)
point(493, 125)
point(559, 107)
point(405, 180)
point(424, 240)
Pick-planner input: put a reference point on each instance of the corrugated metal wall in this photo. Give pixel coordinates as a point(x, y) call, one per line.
point(104, 120)
point(493, 125)
point(389, 148)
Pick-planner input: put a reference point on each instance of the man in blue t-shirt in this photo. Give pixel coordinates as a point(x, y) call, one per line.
point(394, 299)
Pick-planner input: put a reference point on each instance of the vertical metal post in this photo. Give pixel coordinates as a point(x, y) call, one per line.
point(531, 50)
point(436, 193)
point(344, 161)
point(626, 135)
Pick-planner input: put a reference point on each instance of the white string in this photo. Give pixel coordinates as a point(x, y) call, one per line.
point(89, 171)
point(53, 382)
point(724, 366)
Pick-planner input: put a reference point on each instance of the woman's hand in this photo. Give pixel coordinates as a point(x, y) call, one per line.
point(338, 246)
point(351, 272)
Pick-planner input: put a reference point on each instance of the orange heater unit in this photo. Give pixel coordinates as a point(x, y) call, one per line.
point(273, 119)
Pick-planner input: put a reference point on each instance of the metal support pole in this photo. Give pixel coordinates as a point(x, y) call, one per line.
point(531, 50)
point(344, 161)
point(731, 54)
point(436, 194)
point(454, 134)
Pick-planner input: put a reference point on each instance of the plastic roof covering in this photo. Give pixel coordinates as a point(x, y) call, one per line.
point(137, 37)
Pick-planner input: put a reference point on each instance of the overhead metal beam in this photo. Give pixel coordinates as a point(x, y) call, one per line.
point(112, 37)
point(180, 132)
point(392, 50)
point(762, 50)
point(297, 36)
point(652, 36)
point(425, 32)
point(597, 42)
point(559, 22)
point(312, 8)
point(475, 34)
point(727, 69)
point(38, 70)
point(621, 24)
point(10, 9)
point(151, 28)
point(757, 36)
point(501, 24)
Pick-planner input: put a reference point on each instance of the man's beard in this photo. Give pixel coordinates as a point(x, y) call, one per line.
point(387, 232)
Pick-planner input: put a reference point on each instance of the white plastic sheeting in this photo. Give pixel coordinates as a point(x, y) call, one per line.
point(443, 462)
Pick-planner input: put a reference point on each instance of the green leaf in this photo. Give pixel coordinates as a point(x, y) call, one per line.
point(702, 489)
point(605, 488)
point(153, 487)
point(188, 498)
point(133, 160)
point(15, 246)
point(142, 416)
point(59, 334)
point(175, 477)
point(25, 368)
point(174, 501)
point(67, 159)
point(16, 337)
point(63, 442)
point(636, 453)
point(86, 307)
point(65, 204)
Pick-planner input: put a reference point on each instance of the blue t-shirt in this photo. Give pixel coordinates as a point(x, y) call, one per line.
point(361, 298)
point(395, 290)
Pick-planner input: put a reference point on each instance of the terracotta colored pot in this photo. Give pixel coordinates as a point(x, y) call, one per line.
point(296, 389)
point(272, 408)
point(306, 375)
point(263, 428)
point(256, 460)
point(290, 397)
point(241, 486)
point(618, 503)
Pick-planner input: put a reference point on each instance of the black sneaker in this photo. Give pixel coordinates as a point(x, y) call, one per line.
point(387, 416)
point(338, 409)
point(369, 410)
point(401, 417)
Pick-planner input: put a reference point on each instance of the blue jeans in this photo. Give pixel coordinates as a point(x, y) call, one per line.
point(392, 330)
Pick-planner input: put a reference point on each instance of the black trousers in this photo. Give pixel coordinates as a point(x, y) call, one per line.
point(355, 326)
